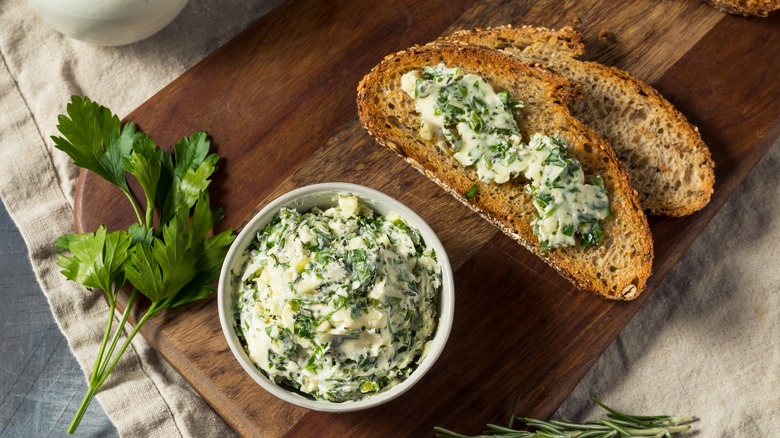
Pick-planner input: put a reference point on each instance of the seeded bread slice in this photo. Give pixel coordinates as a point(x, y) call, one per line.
point(760, 8)
point(668, 163)
point(620, 266)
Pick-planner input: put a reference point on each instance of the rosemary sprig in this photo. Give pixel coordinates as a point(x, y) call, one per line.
point(617, 424)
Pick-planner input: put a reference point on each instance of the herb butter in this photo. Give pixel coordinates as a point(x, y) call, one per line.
point(338, 303)
point(465, 115)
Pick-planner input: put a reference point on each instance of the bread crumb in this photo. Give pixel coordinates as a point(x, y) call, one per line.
point(576, 20)
point(607, 36)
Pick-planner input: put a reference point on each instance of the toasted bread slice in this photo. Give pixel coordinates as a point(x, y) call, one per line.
point(667, 162)
point(616, 269)
point(759, 8)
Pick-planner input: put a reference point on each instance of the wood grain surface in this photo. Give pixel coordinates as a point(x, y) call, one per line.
point(279, 104)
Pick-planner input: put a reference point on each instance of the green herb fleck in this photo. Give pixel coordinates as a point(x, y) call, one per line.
point(472, 191)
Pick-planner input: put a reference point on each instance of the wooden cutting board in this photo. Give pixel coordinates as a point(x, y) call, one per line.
point(279, 104)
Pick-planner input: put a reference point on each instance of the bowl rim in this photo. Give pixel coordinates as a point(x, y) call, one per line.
point(372, 198)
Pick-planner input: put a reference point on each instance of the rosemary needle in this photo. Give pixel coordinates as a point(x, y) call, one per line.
point(617, 424)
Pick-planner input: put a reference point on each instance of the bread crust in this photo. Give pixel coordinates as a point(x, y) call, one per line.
point(673, 173)
point(565, 40)
point(758, 8)
point(617, 269)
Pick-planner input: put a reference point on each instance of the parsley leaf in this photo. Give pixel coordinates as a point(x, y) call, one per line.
point(97, 259)
point(191, 173)
point(191, 152)
point(209, 252)
point(91, 136)
point(172, 262)
point(145, 163)
point(161, 269)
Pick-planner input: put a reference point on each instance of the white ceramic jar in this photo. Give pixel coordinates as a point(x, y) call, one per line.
point(108, 22)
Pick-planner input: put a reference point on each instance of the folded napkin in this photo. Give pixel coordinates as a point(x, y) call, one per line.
point(703, 344)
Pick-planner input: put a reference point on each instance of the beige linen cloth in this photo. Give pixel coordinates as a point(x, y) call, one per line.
point(40, 70)
point(705, 343)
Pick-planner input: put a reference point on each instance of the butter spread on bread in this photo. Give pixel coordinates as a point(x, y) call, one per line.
point(616, 269)
point(668, 163)
point(464, 113)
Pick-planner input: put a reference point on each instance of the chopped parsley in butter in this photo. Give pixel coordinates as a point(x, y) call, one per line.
point(338, 303)
point(464, 113)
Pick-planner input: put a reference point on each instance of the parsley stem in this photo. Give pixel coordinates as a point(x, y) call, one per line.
point(74, 424)
point(149, 313)
point(135, 206)
point(149, 214)
point(106, 369)
point(98, 372)
point(109, 323)
point(120, 328)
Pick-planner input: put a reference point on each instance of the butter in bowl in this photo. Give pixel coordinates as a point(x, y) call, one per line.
point(336, 297)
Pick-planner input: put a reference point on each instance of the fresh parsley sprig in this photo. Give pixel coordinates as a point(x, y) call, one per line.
point(173, 261)
point(617, 424)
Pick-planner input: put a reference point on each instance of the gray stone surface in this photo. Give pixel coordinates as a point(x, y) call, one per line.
point(41, 384)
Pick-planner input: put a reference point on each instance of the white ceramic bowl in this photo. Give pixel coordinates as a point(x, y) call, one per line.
point(108, 22)
point(325, 195)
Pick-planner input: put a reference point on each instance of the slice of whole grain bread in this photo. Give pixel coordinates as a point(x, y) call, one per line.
point(620, 266)
point(759, 8)
point(668, 163)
